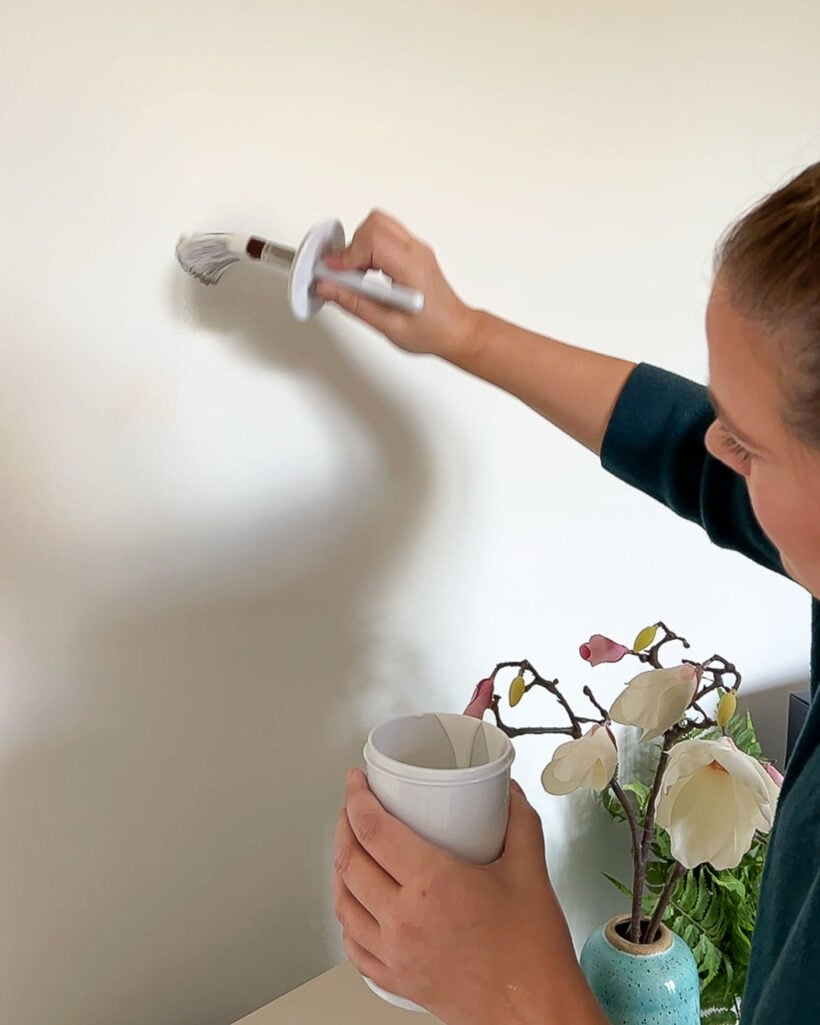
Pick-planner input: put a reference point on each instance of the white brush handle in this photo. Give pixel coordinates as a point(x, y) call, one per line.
point(385, 292)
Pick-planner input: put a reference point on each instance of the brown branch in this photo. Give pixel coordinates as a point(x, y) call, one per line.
point(634, 829)
point(531, 731)
point(652, 653)
point(626, 804)
point(525, 666)
point(600, 708)
point(727, 666)
point(507, 665)
point(648, 831)
point(677, 871)
point(683, 729)
point(717, 667)
point(552, 687)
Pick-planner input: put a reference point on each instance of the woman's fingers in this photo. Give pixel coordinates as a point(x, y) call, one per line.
point(372, 887)
point(445, 324)
point(364, 961)
point(380, 243)
point(400, 851)
point(355, 920)
point(389, 321)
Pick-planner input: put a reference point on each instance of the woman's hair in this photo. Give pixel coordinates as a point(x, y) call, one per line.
point(770, 263)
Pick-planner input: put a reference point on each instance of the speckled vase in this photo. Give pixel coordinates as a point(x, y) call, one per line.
point(642, 984)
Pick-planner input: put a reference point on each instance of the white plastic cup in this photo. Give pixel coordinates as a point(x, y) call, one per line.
point(447, 777)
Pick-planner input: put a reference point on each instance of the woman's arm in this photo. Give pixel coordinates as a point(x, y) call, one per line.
point(573, 388)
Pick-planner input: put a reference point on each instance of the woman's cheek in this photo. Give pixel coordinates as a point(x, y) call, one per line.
point(767, 501)
point(785, 501)
point(782, 511)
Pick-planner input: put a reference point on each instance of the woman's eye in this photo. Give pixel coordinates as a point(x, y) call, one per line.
point(734, 447)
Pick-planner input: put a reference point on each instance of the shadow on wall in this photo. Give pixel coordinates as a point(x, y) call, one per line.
point(593, 844)
point(167, 859)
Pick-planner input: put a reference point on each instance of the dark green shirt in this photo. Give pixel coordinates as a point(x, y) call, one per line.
point(655, 441)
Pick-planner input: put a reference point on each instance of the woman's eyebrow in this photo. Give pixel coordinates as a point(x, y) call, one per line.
point(734, 430)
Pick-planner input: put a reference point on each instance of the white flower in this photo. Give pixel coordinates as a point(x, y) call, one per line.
point(656, 700)
point(712, 799)
point(589, 761)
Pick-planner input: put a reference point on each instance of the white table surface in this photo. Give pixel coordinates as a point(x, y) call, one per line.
point(339, 997)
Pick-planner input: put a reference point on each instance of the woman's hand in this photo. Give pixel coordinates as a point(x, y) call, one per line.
point(445, 325)
point(475, 945)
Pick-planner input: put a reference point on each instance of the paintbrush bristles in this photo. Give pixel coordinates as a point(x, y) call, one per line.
point(207, 257)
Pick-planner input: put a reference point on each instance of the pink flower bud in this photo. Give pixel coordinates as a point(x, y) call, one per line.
point(600, 649)
point(481, 700)
point(775, 774)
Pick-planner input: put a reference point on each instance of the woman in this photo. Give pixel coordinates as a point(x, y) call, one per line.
point(490, 945)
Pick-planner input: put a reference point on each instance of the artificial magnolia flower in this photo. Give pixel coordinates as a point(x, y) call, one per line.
point(589, 761)
point(656, 700)
point(712, 798)
point(481, 700)
point(600, 649)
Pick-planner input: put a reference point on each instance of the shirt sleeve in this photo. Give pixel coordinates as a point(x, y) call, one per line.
point(655, 442)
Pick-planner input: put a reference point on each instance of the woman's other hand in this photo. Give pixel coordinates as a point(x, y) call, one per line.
point(475, 945)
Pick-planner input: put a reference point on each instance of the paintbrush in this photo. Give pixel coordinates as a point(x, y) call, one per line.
point(208, 256)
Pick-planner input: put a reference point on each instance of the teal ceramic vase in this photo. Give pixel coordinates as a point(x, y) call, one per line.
point(642, 984)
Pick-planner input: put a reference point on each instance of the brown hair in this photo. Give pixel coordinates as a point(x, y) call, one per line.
point(770, 263)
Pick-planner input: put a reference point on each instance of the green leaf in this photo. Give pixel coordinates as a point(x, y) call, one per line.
point(741, 730)
point(618, 884)
point(708, 959)
point(718, 995)
point(712, 920)
point(657, 872)
point(690, 892)
point(728, 882)
point(741, 947)
point(704, 898)
point(662, 845)
point(725, 1016)
point(700, 913)
point(641, 792)
point(613, 805)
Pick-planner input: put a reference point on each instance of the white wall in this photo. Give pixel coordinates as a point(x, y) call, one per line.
point(230, 544)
